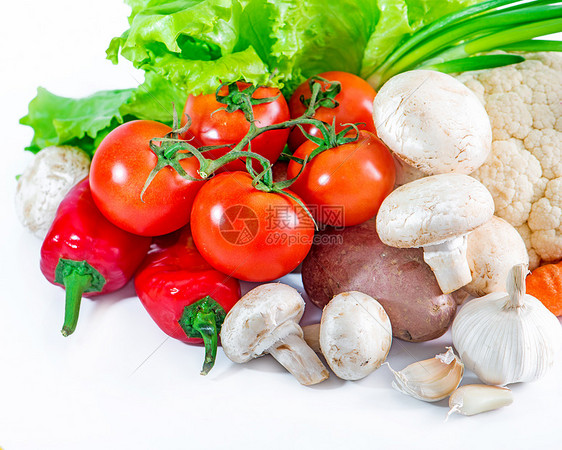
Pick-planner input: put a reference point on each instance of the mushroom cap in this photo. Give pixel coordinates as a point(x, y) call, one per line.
point(433, 122)
point(493, 249)
point(433, 210)
point(355, 335)
point(259, 319)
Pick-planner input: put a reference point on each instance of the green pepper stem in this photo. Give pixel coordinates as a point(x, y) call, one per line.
point(75, 284)
point(205, 323)
point(203, 319)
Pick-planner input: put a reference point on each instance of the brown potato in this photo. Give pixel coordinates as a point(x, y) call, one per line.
point(354, 259)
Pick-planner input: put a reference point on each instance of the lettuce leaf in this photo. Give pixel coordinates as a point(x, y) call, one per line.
point(301, 39)
point(191, 46)
point(198, 43)
point(86, 121)
point(154, 100)
point(200, 76)
point(191, 43)
point(60, 120)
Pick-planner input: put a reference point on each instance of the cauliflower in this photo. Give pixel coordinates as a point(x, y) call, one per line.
point(524, 170)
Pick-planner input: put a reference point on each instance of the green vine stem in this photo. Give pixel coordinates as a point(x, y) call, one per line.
point(326, 97)
point(170, 150)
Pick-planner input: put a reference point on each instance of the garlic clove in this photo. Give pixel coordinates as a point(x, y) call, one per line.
point(507, 337)
point(430, 380)
point(478, 398)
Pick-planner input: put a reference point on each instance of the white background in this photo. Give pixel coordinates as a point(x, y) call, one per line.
point(118, 382)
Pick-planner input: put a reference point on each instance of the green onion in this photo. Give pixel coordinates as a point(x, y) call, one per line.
point(505, 37)
point(449, 42)
point(424, 33)
point(537, 45)
point(475, 28)
point(475, 63)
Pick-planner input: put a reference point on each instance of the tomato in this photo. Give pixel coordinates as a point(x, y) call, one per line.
point(355, 105)
point(247, 233)
point(212, 127)
point(119, 170)
point(344, 185)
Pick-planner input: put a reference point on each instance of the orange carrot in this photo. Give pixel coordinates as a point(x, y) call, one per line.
point(545, 283)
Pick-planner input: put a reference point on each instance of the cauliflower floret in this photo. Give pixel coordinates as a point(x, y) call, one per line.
point(524, 170)
point(525, 232)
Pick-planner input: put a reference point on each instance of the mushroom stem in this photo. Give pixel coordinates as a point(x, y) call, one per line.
point(312, 336)
point(449, 264)
point(297, 357)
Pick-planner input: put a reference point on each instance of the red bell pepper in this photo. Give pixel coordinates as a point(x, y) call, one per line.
point(87, 254)
point(183, 294)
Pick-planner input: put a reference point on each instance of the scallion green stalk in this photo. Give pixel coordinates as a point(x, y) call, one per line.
point(497, 40)
point(475, 63)
point(449, 42)
point(534, 45)
point(482, 26)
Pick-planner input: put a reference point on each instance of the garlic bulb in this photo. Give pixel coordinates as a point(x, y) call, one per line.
point(430, 380)
point(507, 337)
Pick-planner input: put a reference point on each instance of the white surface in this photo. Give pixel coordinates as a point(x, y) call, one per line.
point(118, 383)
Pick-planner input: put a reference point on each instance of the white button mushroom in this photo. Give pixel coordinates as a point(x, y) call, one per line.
point(433, 122)
point(354, 335)
point(437, 213)
point(44, 183)
point(492, 250)
point(265, 320)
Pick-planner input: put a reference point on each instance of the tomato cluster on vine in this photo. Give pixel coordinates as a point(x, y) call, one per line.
point(215, 172)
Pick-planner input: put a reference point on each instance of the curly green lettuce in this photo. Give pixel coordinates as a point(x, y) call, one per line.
point(276, 42)
point(86, 121)
point(191, 46)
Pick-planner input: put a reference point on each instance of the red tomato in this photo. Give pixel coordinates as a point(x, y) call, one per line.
point(119, 170)
point(212, 127)
point(345, 185)
point(247, 233)
point(355, 105)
